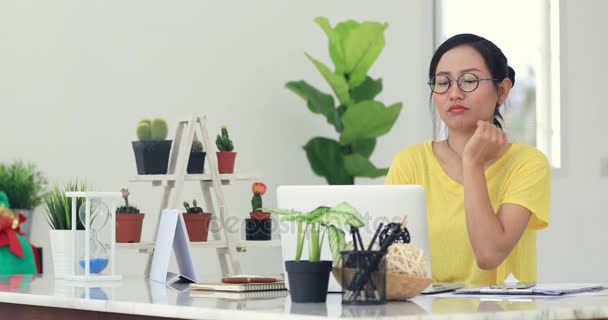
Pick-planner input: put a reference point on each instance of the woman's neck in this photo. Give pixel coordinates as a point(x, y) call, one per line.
point(457, 140)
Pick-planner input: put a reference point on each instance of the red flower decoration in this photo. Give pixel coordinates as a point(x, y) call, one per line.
point(258, 188)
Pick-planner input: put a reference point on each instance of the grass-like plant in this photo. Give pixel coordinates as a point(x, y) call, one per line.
point(319, 222)
point(24, 185)
point(58, 207)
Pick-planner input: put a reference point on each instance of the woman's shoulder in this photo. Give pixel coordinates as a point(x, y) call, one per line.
point(522, 150)
point(418, 150)
point(522, 153)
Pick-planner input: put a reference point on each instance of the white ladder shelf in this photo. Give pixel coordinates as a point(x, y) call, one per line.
point(173, 182)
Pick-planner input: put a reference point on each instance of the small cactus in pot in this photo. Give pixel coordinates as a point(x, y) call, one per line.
point(225, 156)
point(152, 149)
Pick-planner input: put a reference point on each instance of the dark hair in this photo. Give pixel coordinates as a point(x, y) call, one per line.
point(492, 55)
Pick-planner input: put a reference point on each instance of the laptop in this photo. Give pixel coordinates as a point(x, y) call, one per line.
point(376, 203)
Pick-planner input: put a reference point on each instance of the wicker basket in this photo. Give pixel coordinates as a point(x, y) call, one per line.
point(399, 286)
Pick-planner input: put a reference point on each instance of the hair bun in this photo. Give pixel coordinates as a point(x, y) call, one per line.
point(511, 75)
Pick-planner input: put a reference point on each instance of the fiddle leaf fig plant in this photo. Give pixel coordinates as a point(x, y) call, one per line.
point(357, 118)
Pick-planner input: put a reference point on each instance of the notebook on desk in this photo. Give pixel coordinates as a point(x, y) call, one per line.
point(238, 287)
point(255, 295)
point(538, 290)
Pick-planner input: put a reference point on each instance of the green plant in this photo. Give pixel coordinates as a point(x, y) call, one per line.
point(24, 185)
point(321, 217)
point(258, 190)
point(58, 207)
point(194, 209)
point(152, 130)
point(223, 141)
point(126, 208)
point(197, 146)
point(358, 118)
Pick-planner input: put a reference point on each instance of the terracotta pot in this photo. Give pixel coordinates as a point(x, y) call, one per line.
point(128, 227)
point(225, 161)
point(259, 215)
point(197, 225)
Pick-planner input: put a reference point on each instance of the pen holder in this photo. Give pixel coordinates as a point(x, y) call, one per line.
point(363, 277)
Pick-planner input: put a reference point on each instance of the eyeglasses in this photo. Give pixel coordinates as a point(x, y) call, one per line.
point(467, 82)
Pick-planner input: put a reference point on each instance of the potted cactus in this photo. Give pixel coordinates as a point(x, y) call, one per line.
point(196, 163)
point(197, 221)
point(128, 221)
point(152, 149)
point(225, 155)
point(259, 224)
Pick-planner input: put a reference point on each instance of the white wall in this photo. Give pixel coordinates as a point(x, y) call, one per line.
point(76, 77)
point(573, 248)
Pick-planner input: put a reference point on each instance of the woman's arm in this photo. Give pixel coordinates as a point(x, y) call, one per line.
point(492, 235)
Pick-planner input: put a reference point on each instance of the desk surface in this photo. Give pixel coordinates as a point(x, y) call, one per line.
point(141, 296)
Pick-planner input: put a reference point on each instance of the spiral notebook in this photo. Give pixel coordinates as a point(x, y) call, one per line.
point(257, 295)
point(238, 287)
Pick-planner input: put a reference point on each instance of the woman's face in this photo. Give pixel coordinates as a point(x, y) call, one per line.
point(460, 110)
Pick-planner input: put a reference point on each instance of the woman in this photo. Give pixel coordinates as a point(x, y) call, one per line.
point(486, 197)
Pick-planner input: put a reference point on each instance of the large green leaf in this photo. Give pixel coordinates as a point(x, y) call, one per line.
point(364, 147)
point(314, 215)
point(361, 48)
point(327, 160)
point(341, 214)
point(336, 50)
point(317, 101)
point(368, 90)
point(368, 119)
point(337, 82)
point(337, 243)
point(360, 166)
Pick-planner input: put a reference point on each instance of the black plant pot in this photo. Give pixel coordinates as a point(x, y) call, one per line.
point(196, 163)
point(152, 157)
point(308, 281)
point(258, 229)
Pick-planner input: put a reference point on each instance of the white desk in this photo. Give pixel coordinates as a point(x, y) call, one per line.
point(45, 298)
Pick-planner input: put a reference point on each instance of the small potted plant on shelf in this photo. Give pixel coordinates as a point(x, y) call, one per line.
point(197, 222)
point(196, 163)
point(259, 224)
point(225, 155)
point(152, 149)
point(308, 279)
point(128, 221)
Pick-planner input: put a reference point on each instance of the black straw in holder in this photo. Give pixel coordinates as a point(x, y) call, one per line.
point(352, 233)
point(371, 244)
point(393, 230)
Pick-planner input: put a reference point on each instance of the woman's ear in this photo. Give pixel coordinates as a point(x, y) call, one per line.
point(504, 88)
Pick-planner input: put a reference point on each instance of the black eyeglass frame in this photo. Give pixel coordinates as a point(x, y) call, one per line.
point(478, 79)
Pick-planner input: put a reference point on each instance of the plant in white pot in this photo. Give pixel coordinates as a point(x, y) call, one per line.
point(25, 187)
point(59, 216)
point(308, 279)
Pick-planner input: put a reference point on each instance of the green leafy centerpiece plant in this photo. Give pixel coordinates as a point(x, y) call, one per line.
point(225, 155)
point(358, 118)
point(308, 279)
point(197, 221)
point(129, 220)
point(152, 149)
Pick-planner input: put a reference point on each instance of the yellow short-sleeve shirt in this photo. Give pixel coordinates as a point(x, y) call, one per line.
point(521, 176)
